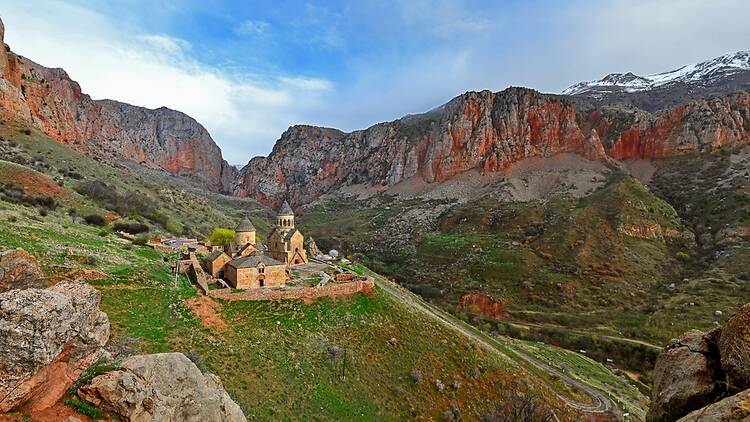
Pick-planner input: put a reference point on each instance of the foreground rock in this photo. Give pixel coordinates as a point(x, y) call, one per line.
point(734, 346)
point(162, 387)
point(686, 377)
point(19, 270)
point(735, 408)
point(47, 338)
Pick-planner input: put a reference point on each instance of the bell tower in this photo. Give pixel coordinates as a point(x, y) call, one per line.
point(285, 217)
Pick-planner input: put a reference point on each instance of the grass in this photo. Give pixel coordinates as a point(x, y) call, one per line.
point(274, 357)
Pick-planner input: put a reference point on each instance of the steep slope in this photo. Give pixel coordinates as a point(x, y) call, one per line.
point(163, 139)
point(487, 132)
point(721, 75)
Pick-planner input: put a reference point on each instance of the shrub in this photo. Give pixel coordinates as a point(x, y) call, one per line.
point(416, 376)
point(140, 240)
point(17, 195)
point(132, 228)
point(26, 131)
point(43, 212)
point(682, 256)
point(101, 366)
point(84, 408)
point(221, 237)
point(95, 220)
point(91, 260)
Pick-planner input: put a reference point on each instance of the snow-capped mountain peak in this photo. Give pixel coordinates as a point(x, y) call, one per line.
point(703, 73)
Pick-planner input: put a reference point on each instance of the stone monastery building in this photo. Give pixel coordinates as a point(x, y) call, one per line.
point(247, 265)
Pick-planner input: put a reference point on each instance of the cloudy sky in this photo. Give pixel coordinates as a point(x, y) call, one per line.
point(248, 69)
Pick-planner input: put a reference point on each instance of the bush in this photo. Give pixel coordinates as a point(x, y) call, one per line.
point(101, 366)
point(416, 376)
point(221, 237)
point(132, 228)
point(17, 195)
point(26, 131)
point(682, 256)
point(95, 220)
point(91, 260)
point(84, 408)
point(140, 240)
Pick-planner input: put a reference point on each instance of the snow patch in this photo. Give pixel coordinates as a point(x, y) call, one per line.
point(701, 73)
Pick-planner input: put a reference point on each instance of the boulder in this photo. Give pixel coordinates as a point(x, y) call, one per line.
point(47, 338)
point(734, 347)
point(734, 408)
point(162, 387)
point(687, 376)
point(19, 270)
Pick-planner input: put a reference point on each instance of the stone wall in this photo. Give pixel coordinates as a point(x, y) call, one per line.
point(365, 285)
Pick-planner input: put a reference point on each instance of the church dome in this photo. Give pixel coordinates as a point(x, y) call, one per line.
point(245, 225)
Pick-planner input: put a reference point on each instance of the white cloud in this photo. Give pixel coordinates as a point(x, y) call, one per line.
point(252, 27)
point(244, 113)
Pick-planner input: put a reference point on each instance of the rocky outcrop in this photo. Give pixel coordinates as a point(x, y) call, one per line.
point(488, 132)
point(686, 377)
point(163, 387)
point(162, 139)
point(732, 409)
point(696, 370)
point(47, 338)
point(19, 270)
point(734, 346)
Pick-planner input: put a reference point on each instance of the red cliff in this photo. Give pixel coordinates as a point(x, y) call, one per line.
point(163, 139)
point(489, 132)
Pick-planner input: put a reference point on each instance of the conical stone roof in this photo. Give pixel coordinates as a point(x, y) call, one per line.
point(286, 209)
point(245, 225)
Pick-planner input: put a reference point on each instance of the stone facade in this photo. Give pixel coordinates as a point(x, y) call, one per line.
point(286, 243)
point(262, 274)
point(215, 263)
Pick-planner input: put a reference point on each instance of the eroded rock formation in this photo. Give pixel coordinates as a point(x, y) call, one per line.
point(19, 270)
point(163, 139)
point(488, 132)
point(164, 387)
point(687, 376)
point(695, 373)
point(47, 338)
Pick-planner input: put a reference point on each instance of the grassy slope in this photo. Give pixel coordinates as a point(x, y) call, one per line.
point(591, 273)
point(272, 358)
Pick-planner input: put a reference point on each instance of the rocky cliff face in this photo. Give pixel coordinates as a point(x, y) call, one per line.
point(164, 139)
point(489, 132)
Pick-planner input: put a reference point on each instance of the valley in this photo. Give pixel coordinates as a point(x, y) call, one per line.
point(535, 257)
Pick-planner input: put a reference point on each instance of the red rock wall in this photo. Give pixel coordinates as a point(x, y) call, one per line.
point(486, 131)
point(163, 139)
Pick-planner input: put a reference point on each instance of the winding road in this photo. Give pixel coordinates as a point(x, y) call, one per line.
point(600, 403)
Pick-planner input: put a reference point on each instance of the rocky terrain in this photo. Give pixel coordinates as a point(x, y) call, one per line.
point(487, 132)
point(165, 139)
point(49, 338)
point(705, 376)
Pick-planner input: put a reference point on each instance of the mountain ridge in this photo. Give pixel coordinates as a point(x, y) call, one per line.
point(488, 132)
point(48, 99)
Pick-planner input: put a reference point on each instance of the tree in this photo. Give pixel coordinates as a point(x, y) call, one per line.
point(221, 237)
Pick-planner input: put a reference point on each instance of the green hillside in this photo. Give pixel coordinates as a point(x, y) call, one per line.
point(366, 357)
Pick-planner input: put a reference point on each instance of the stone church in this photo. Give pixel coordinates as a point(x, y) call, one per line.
point(285, 242)
point(247, 264)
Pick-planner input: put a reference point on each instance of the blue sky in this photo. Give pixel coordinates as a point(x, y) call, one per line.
point(249, 69)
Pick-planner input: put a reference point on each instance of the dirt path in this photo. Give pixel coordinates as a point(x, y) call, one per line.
point(600, 404)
